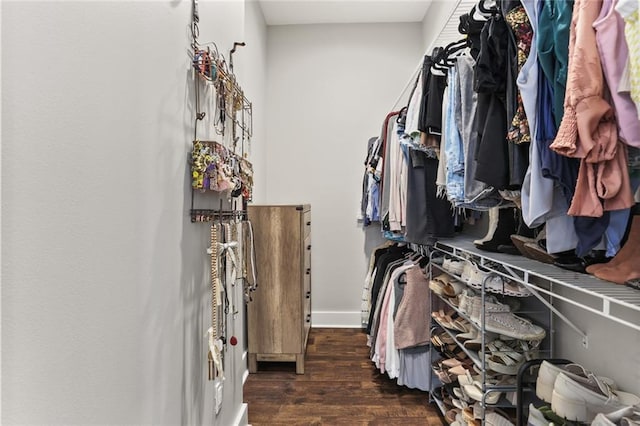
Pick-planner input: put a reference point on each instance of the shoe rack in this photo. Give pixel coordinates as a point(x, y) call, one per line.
point(489, 383)
point(617, 303)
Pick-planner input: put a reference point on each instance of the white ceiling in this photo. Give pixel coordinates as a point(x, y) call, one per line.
point(288, 12)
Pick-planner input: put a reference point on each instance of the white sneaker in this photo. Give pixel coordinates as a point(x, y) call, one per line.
point(491, 305)
point(511, 325)
point(501, 285)
point(548, 373)
point(472, 275)
point(465, 304)
point(612, 419)
point(454, 266)
point(575, 401)
point(536, 418)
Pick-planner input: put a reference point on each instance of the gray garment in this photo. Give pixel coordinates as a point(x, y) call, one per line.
point(398, 288)
point(386, 173)
point(477, 195)
point(415, 370)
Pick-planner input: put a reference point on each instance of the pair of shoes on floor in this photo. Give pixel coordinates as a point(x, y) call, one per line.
point(579, 395)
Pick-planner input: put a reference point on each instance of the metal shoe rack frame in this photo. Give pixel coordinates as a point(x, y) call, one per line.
point(617, 303)
point(543, 318)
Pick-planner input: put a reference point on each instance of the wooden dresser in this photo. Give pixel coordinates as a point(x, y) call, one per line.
point(279, 317)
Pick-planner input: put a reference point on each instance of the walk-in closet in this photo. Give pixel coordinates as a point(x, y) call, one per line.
point(301, 212)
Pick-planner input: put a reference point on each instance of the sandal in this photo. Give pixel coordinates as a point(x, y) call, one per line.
point(450, 416)
point(504, 359)
point(474, 391)
point(444, 319)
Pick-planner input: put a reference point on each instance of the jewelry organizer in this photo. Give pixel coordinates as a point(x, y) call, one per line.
point(222, 176)
point(219, 166)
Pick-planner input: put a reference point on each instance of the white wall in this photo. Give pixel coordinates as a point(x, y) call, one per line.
point(251, 65)
point(434, 19)
point(105, 289)
point(329, 89)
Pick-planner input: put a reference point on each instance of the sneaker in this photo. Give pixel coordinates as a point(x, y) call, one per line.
point(536, 418)
point(501, 285)
point(465, 304)
point(612, 419)
point(472, 275)
point(631, 421)
point(548, 373)
point(454, 266)
point(580, 402)
point(491, 305)
point(499, 319)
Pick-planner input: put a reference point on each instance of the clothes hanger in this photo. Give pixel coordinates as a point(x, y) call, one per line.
point(487, 11)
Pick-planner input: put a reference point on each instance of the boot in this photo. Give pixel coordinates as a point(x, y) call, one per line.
point(625, 265)
point(493, 224)
point(506, 226)
point(633, 219)
point(523, 231)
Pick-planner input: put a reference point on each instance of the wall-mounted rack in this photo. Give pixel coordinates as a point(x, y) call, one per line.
point(211, 215)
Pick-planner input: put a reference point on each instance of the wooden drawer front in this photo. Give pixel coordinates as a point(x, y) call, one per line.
point(306, 223)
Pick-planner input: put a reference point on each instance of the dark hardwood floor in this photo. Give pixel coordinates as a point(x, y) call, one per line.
point(341, 386)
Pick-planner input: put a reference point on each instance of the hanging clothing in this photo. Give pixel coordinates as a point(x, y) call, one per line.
point(413, 311)
point(588, 130)
point(398, 180)
point(477, 194)
point(628, 9)
point(453, 148)
point(554, 20)
point(385, 152)
point(490, 83)
point(542, 200)
point(518, 21)
point(614, 55)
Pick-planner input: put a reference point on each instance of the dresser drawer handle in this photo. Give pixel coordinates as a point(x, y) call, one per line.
point(309, 223)
point(308, 295)
point(308, 317)
point(309, 247)
point(308, 271)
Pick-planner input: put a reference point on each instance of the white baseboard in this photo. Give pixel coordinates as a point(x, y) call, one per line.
point(242, 418)
point(245, 373)
point(336, 319)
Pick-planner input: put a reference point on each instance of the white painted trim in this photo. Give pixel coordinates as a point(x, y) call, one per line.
point(245, 376)
point(243, 416)
point(336, 319)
